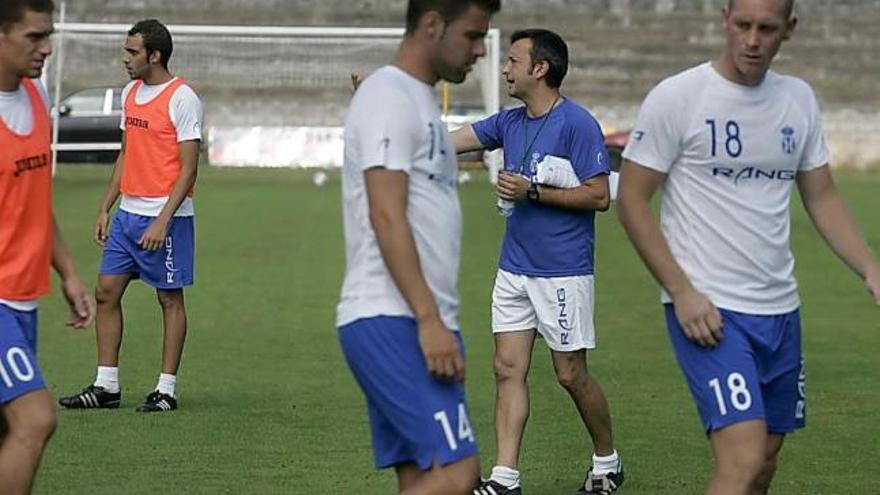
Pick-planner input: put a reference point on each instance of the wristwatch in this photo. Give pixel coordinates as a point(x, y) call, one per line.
point(532, 194)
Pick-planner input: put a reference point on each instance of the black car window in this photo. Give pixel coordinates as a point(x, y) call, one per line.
point(117, 100)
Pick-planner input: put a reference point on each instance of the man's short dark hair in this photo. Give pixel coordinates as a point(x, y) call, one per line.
point(788, 8)
point(156, 38)
point(12, 11)
point(449, 9)
point(549, 47)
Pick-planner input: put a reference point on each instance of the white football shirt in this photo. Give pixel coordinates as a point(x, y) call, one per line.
point(731, 154)
point(394, 122)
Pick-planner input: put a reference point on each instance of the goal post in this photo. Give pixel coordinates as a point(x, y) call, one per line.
point(268, 85)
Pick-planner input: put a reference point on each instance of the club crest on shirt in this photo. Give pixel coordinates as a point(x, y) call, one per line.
point(533, 165)
point(788, 141)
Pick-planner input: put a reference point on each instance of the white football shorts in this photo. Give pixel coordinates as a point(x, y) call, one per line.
point(559, 308)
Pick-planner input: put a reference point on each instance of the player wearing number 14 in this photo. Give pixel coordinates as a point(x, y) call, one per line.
point(728, 140)
point(397, 312)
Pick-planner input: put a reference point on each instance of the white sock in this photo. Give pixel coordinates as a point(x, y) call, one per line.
point(506, 476)
point(607, 464)
point(166, 383)
point(108, 378)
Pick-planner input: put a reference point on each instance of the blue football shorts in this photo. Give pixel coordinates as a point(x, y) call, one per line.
point(170, 267)
point(414, 417)
point(19, 373)
point(757, 372)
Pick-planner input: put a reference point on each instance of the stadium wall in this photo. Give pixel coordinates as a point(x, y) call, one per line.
point(620, 48)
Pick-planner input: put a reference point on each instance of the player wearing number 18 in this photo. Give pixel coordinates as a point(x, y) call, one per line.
point(728, 140)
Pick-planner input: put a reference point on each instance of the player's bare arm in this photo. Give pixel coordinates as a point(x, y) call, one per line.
point(700, 318)
point(82, 305)
point(837, 226)
point(110, 197)
point(387, 193)
point(154, 236)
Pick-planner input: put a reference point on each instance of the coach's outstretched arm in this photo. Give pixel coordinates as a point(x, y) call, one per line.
point(464, 139)
point(837, 226)
point(699, 318)
point(387, 192)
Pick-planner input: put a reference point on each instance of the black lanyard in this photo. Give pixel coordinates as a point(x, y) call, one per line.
point(522, 165)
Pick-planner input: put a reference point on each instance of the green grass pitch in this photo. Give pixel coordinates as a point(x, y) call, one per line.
point(268, 405)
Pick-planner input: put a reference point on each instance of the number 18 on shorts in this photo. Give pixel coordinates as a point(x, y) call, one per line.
point(757, 372)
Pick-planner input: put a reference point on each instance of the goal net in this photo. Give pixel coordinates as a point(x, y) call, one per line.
point(273, 96)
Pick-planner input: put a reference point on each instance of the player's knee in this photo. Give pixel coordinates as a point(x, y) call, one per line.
point(170, 300)
point(44, 424)
point(570, 379)
point(508, 369)
point(105, 295)
point(461, 478)
point(765, 477)
point(769, 465)
point(571, 376)
point(34, 426)
point(461, 485)
point(742, 469)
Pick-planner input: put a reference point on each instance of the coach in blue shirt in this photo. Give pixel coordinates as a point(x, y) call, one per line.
point(554, 180)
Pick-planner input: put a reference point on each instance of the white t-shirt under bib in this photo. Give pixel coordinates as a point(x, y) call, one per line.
point(185, 110)
point(15, 110)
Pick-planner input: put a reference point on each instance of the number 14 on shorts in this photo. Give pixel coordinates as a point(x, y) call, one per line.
point(465, 432)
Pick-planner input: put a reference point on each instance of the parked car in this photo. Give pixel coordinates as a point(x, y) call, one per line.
point(615, 142)
point(88, 126)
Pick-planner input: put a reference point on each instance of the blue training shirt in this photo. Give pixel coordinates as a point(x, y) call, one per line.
point(542, 240)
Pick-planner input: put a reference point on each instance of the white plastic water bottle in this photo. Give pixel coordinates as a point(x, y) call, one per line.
point(504, 207)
